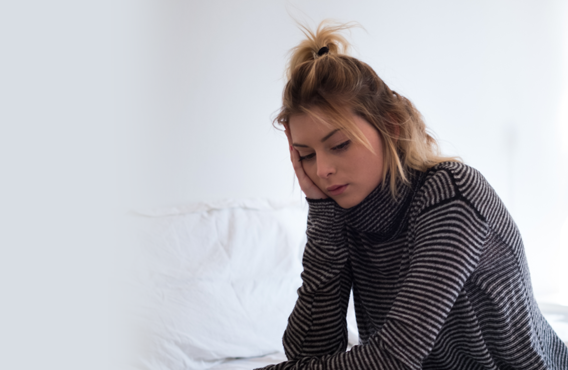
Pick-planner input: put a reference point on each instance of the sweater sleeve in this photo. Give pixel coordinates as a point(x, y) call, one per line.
point(448, 241)
point(317, 325)
point(446, 244)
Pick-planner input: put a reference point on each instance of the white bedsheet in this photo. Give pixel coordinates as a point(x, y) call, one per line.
point(217, 280)
point(250, 363)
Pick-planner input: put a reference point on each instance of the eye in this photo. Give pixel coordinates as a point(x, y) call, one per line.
point(341, 146)
point(307, 157)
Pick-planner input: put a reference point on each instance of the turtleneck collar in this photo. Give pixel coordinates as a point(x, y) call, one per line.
point(379, 213)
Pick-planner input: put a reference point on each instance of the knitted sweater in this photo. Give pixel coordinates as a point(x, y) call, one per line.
point(439, 278)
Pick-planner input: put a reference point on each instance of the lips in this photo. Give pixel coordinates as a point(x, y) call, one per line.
point(336, 189)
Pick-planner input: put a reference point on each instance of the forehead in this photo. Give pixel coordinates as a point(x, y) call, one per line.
point(317, 124)
point(306, 127)
point(310, 131)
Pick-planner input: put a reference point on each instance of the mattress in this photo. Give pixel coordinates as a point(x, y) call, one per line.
point(556, 315)
point(250, 363)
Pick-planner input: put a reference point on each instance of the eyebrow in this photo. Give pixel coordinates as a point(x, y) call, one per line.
point(322, 140)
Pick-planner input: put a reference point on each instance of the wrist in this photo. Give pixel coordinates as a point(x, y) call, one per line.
point(325, 218)
point(316, 200)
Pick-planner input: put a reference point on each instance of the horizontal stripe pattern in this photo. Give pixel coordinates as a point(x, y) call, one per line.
point(439, 278)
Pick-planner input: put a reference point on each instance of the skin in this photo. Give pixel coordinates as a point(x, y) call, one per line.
point(323, 158)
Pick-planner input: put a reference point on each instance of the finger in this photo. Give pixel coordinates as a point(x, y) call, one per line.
point(295, 158)
point(297, 164)
point(306, 184)
point(287, 132)
point(291, 148)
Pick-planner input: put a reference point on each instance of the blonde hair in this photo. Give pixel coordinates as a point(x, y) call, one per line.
point(340, 85)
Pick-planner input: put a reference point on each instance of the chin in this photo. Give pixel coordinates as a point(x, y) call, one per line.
point(347, 203)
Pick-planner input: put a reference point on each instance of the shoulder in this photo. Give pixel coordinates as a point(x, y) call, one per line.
point(442, 212)
point(452, 181)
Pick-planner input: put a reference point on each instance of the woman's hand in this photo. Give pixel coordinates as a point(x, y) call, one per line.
point(306, 184)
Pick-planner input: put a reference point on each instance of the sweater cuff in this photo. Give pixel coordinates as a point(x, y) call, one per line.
point(325, 210)
point(320, 202)
point(326, 221)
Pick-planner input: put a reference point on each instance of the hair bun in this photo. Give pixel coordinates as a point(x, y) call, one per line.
point(328, 33)
point(323, 51)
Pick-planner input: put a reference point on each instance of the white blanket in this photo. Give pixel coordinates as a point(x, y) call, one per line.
point(219, 280)
point(250, 363)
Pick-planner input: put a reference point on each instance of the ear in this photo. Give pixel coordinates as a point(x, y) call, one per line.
point(396, 132)
point(396, 128)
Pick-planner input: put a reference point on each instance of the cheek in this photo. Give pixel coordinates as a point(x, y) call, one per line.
point(311, 170)
point(368, 165)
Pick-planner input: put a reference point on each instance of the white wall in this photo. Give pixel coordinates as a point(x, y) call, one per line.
point(110, 106)
point(489, 77)
point(58, 198)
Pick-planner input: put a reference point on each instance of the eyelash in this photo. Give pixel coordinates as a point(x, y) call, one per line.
point(337, 148)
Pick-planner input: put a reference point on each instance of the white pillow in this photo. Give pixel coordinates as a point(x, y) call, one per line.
point(219, 278)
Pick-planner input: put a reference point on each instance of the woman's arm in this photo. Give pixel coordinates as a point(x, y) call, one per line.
point(448, 238)
point(317, 325)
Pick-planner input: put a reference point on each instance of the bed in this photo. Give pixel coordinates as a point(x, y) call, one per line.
point(216, 282)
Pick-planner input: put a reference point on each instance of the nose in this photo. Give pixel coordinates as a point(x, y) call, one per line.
point(325, 166)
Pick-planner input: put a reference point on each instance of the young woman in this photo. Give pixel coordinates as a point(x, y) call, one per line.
point(435, 261)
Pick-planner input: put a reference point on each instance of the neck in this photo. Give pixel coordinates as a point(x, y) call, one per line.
point(380, 212)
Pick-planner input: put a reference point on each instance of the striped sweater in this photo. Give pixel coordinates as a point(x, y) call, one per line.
point(439, 279)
